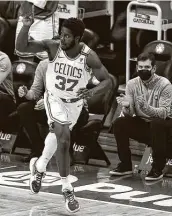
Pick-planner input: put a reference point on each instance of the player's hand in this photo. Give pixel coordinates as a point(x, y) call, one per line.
point(28, 20)
point(22, 91)
point(85, 93)
point(123, 101)
point(40, 105)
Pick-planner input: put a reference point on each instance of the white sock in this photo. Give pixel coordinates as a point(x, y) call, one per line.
point(49, 150)
point(66, 184)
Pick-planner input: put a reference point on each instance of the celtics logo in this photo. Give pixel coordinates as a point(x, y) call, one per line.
point(160, 48)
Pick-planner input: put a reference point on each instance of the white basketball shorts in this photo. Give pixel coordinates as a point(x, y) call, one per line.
point(62, 112)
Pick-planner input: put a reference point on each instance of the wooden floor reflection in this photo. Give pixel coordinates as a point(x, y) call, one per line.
point(20, 202)
point(147, 199)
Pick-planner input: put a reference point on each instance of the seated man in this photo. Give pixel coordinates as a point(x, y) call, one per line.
point(33, 111)
point(148, 99)
point(7, 97)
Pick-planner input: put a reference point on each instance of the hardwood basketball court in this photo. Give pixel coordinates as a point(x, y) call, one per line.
point(98, 193)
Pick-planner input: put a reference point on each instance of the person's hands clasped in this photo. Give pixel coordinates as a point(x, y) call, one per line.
point(40, 105)
point(123, 101)
point(22, 91)
point(141, 100)
point(84, 93)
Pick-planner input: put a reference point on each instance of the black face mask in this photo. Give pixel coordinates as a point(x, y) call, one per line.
point(144, 74)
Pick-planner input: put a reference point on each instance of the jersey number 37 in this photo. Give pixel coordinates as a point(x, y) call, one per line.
point(65, 84)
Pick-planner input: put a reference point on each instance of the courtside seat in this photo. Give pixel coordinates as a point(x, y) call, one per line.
point(99, 106)
point(90, 38)
point(23, 74)
point(7, 36)
point(12, 120)
point(163, 55)
point(4, 28)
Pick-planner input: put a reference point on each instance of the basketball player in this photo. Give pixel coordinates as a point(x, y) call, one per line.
point(69, 69)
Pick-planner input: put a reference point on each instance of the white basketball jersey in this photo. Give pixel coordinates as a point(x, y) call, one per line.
point(65, 76)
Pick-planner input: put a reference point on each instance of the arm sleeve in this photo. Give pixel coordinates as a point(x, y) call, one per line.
point(129, 95)
point(164, 109)
point(37, 87)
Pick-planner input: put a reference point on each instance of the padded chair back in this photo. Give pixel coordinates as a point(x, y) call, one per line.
point(90, 38)
point(163, 55)
point(4, 28)
point(23, 74)
point(87, 133)
point(101, 103)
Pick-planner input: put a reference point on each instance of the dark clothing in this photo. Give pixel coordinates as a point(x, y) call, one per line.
point(152, 133)
point(29, 120)
point(7, 106)
point(9, 9)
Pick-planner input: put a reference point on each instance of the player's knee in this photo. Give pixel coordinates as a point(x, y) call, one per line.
point(64, 143)
point(63, 136)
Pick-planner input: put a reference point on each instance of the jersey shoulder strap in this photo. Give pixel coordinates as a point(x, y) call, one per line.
point(85, 50)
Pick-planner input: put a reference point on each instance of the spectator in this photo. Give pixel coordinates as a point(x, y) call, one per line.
point(8, 21)
point(7, 97)
point(45, 17)
point(33, 112)
point(148, 99)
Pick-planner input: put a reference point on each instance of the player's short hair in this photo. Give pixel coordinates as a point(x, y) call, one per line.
point(145, 56)
point(75, 25)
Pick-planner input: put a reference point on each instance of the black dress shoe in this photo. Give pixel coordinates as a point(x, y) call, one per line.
point(121, 170)
point(154, 175)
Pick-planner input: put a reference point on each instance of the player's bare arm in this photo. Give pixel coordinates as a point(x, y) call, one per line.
point(33, 46)
point(101, 74)
point(99, 71)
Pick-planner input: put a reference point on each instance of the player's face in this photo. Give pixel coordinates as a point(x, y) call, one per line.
point(67, 39)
